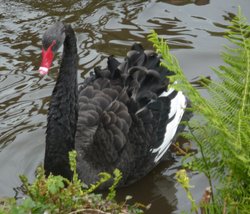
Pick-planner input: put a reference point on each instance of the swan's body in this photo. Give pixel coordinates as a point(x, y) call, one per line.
point(122, 116)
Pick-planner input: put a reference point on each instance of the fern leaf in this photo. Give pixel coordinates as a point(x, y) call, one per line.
point(223, 137)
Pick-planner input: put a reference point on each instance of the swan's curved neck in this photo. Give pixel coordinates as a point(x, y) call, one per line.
point(62, 116)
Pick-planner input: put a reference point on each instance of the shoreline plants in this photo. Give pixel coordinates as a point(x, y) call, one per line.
point(55, 194)
point(221, 126)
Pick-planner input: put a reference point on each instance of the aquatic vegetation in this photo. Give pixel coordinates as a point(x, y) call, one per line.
point(221, 128)
point(55, 194)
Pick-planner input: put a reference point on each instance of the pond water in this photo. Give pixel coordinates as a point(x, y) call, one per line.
point(194, 29)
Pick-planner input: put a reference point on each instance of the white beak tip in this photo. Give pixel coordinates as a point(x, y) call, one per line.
point(43, 70)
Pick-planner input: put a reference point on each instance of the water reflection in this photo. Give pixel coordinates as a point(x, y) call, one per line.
point(102, 28)
point(157, 190)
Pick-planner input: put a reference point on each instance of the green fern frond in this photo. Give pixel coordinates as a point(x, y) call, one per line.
point(223, 138)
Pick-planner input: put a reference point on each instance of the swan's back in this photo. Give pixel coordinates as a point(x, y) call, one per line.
point(126, 119)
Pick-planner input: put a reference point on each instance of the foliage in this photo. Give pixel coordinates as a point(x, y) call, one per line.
point(183, 179)
point(55, 194)
point(221, 126)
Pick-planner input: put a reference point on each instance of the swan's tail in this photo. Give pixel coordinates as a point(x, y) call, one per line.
point(141, 74)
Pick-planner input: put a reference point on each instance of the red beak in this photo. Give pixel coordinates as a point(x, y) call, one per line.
point(47, 58)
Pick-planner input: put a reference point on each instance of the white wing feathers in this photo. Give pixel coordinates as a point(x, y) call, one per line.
point(177, 108)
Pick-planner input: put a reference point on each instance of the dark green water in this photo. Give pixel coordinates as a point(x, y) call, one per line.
point(194, 30)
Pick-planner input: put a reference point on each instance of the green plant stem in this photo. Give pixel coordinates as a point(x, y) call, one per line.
point(207, 173)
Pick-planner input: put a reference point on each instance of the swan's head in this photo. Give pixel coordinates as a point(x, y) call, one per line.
point(52, 39)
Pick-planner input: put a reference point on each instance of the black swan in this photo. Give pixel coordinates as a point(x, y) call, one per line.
point(121, 117)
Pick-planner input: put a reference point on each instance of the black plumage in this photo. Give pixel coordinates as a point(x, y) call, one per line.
point(117, 118)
